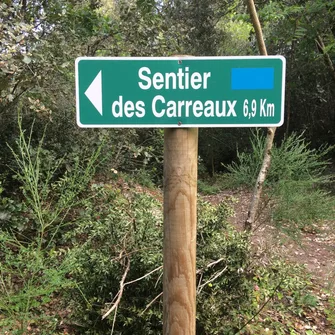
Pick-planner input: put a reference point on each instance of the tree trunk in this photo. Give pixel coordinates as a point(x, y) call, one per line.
point(270, 134)
point(260, 180)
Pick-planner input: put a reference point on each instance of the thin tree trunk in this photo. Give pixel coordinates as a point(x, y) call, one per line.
point(270, 133)
point(257, 26)
point(288, 90)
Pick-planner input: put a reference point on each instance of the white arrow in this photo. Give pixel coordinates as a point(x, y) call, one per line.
point(94, 93)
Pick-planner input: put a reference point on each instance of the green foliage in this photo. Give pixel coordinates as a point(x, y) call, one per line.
point(118, 227)
point(217, 145)
point(224, 291)
point(244, 172)
point(47, 200)
point(330, 311)
point(236, 36)
point(146, 31)
point(294, 29)
point(29, 279)
point(108, 230)
point(283, 289)
point(293, 160)
point(33, 268)
point(300, 206)
point(208, 186)
point(294, 182)
point(287, 283)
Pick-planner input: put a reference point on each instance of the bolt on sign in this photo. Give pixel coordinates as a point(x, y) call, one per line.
point(180, 91)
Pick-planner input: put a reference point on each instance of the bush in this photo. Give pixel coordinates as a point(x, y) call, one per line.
point(244, 172)
point(209, 186)
point(30, 278)
point(115, 230)
point(32, 266)
point(64, 234)
point(121, 228)
point(224, 288)
point(295, 181)
point(281, 291)
point(300, 206)
point(292, 160)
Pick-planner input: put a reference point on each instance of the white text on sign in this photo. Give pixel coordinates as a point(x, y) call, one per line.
point(183, 79)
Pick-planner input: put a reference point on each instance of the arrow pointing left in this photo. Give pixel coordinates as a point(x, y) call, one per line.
point(94, 93)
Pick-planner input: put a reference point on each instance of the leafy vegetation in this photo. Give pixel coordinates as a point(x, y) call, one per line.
point(31, 270)
point(79, 209)
point(296, 182)
point(80, 253)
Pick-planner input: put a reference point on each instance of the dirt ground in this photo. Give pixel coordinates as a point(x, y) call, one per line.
point(315, 250)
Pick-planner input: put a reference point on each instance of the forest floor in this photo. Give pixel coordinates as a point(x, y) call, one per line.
point(315, 249)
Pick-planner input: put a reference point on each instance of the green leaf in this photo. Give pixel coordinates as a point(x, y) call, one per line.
point(26, 59)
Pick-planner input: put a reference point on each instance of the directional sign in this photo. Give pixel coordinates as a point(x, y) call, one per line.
point(180, 91)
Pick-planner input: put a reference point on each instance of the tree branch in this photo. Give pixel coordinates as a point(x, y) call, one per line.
point(123, 285)
point(217, 275)
point(146, 275)
point(328, 61)
point(119, 294)
point(151, 302)
point(257, 26)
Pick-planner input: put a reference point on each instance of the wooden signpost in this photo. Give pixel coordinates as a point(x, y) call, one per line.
point(180, 94)
point(180, 221)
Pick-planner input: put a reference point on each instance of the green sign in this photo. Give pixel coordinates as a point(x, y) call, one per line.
point(180, 91)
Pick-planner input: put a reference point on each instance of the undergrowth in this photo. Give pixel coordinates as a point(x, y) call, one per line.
point(68, 240)
point(296, 183)
point(32, 270)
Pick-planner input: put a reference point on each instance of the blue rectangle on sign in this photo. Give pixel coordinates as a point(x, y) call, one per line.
point(252, 78)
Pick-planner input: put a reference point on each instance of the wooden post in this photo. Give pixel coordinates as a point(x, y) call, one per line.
point(180, 219)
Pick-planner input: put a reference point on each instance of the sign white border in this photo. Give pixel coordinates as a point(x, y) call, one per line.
point(181, 58)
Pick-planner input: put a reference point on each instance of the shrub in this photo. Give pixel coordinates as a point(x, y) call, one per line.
point(117, 228)
point(29, 280)
point(281, 291)
point(300, 206)
point(208, 186)
point(244, 172)
point(121, 228)
point(224, 288)
point(295, 181)
point(292, 160)
point(32, 266)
